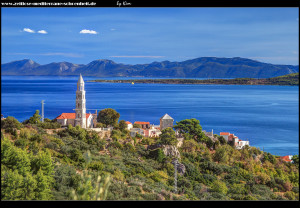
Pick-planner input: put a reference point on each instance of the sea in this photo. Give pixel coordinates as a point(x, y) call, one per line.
point(266, 116)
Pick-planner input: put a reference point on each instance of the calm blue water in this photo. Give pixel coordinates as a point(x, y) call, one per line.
point(267, 116)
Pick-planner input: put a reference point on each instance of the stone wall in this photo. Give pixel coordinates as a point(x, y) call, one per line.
point(165, 123)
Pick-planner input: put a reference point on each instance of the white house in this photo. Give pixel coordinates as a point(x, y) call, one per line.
point(129, 125)
point(152, 132)
point(241, 144)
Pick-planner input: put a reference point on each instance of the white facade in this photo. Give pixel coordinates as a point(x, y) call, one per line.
point(89, 121)
point(241, 144)
point(129, 125)
point(153, 132)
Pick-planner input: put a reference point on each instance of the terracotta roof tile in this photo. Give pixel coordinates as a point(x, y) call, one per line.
point(286, 158)
point(224, 133)
point(70, 116)
point(142, 122)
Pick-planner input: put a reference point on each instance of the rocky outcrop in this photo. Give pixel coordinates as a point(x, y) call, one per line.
point(180, 167)
point(171, 150)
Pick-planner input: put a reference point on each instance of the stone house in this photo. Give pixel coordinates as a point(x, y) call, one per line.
point(166, 121)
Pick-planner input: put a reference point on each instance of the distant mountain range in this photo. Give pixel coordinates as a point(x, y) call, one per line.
point(204, 67)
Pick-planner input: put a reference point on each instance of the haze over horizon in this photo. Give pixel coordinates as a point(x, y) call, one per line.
point(144, 35)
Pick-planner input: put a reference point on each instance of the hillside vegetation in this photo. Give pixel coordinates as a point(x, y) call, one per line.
point(76, 164)
point(290, 79)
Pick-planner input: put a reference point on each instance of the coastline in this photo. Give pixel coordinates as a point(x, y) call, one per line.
point(286, 80)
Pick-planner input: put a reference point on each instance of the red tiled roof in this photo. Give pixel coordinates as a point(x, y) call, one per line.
point(69, 116)
point(127, 122)
point(142, 122)
point(286, 158)
point(224, 133)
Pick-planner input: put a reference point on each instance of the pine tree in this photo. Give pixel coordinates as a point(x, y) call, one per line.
point(42, 191)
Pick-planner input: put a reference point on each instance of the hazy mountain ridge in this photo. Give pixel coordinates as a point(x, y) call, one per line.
point(203, 67)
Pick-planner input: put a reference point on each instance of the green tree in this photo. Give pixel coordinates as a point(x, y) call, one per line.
point(222, 154)
point(189, 145)
point(11, 185)
point(137, 125)
point(43, 191)
point(108, 116)
point(191, 129)
point(36, 118)
point(10, 123)
point(167, 137)
point(42, 161)
point(18, 180)
point(222, 140)
point(14, 158)
point(122, 125)
point(295, 160)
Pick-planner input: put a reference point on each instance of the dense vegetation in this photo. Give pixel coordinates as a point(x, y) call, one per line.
point(290, 79)
point(76, 164)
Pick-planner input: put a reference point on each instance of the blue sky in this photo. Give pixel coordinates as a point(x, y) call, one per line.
point(145, 35)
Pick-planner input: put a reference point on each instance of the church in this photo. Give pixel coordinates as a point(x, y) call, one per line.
point(80, 117)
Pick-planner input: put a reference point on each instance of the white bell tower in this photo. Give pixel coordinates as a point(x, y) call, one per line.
point(80, 107)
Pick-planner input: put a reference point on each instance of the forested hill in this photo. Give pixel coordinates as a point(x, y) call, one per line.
point(290, 79)
point(203, 67)
point(41, 161)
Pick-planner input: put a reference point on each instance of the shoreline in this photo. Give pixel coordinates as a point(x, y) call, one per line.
point(285, 80)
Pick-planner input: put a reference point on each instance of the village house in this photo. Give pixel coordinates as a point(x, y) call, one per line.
point(144, 125)
point(226, 135)
point(287, 158)
point(129, 125)
point(234, 140)
point(241, 144)
point(152, 132)
point(135, 131)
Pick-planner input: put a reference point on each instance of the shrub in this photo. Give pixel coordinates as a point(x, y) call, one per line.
point(10, 123)
point(219, 187)
point(159, 176)
point(157, 154)
point(96, 165)
point(290, 195)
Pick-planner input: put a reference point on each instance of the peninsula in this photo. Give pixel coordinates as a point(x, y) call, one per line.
point(290, 79)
